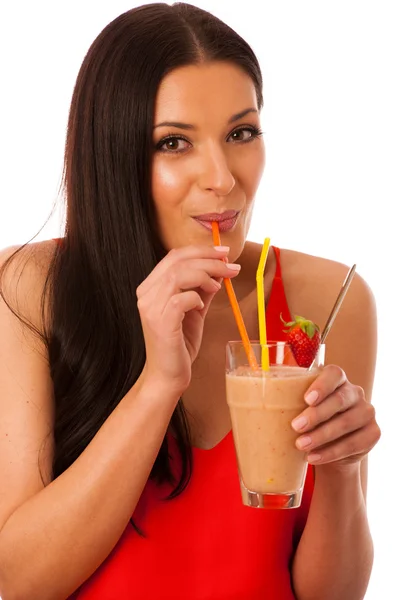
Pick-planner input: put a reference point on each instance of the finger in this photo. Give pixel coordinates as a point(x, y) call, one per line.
point(207, 299)
point(150, 307)
point(178, 255)
point(331, 378)
point(334, 429)
point(175, 281)
point(342, 399)
point(178, 306)
point(187, 278)
point(191, 275)
point(358, 443)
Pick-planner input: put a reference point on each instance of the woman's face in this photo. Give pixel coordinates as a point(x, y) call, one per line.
point(209, 155)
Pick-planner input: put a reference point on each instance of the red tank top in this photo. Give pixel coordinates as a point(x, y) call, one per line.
point(204, 544)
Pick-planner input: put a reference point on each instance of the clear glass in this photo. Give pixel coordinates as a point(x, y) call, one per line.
point(262, 405)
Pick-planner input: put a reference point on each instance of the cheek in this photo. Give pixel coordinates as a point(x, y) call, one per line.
point(256, 168)
point(250, 170)
point(168, 183)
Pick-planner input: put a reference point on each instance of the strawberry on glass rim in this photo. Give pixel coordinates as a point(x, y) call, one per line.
point(304, 339)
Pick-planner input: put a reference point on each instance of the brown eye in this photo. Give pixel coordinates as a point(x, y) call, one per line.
point(245, 134)
point(239, 136)
point(173, 145)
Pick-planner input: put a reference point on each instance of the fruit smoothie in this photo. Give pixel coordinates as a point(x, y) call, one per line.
point(262, 406)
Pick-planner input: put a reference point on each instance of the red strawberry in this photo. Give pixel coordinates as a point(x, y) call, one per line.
point(304, 338)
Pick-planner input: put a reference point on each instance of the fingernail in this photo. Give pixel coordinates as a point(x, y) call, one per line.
point(299, 423)
point(312, 397)
point(222, 248)
point(313, 458)
point(303, 442)
point(233, 266)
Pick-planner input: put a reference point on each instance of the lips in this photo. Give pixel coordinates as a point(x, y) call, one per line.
point(225, 220)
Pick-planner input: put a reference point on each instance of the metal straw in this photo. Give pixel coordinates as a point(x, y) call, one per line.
point(336, 306)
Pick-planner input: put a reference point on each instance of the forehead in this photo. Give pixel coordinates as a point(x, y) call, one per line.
point(208, 90)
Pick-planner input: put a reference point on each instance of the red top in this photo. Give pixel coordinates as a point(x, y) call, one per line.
point(204, 544)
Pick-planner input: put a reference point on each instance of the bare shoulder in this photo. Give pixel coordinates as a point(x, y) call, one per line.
point(312, 284)
point(23, 274)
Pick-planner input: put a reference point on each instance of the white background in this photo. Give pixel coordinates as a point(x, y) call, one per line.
point(331, 186)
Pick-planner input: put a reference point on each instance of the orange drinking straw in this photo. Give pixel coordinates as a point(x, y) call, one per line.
point(235, 306)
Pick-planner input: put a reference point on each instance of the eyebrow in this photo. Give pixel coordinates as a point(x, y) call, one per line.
point(179, 125)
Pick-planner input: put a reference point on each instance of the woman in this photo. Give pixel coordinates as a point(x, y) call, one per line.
point(112, 371)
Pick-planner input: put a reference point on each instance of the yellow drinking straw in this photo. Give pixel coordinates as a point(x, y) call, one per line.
point(261, 306)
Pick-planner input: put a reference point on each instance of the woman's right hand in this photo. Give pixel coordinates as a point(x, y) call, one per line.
point(173, 302)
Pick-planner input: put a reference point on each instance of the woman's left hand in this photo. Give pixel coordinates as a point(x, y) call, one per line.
point(339, 425)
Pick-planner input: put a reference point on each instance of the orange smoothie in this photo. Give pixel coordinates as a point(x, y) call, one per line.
point(262, 406)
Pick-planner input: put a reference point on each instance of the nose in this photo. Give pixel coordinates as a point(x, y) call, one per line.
point(215, 174)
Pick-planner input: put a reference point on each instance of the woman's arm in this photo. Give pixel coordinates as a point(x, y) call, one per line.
point(58, 537)
point(334, 558)
point(53, 538)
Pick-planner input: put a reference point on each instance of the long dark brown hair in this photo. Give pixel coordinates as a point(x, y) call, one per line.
point(94, 338)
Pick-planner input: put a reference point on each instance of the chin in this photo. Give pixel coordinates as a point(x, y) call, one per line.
point(236, 251)
point(236, 245)
point(236, 241)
